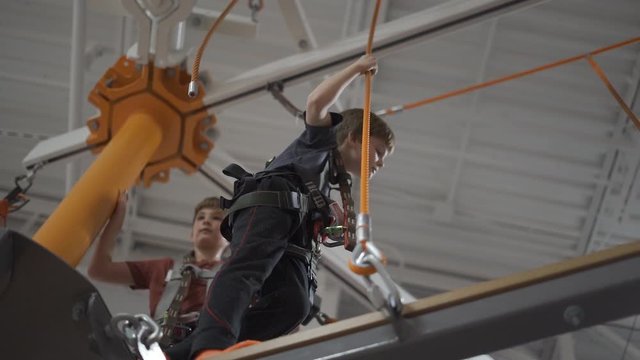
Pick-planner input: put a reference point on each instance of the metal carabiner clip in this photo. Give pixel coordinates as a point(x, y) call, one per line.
point(366, 260)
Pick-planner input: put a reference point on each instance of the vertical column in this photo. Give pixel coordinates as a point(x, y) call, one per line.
point(71, 228)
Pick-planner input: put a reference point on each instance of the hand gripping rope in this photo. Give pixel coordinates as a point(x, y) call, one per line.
point(366, 258)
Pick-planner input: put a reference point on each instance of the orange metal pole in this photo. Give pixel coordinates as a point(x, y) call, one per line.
point(71, 228)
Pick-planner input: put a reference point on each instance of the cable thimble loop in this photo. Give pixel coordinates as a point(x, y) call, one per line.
point(136, 329)
point(367, 259)
point(364, 247)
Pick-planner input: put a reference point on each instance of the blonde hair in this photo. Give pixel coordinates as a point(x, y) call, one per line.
point(352, 123)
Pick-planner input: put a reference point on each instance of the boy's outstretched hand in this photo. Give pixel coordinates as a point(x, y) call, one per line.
point(326, 94)
point(367, 63)
point(117, 218)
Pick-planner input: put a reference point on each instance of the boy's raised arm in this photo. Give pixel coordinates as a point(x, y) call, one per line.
point(326, 94)
point(102, 267)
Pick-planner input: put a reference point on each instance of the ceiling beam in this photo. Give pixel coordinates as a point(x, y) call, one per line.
point(34, 80)
point(631, 351)
point(58, 147)
point(445, 210)
point(391, 36)
point(300, 29)
point(619, 169)
point(76, 81)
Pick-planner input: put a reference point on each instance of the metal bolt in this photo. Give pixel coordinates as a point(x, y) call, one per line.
point(108, 82)
point(303, 44)
point(212, 133)
point(94, 125)
point(574, 315)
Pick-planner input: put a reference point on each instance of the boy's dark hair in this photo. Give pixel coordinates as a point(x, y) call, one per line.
point(209, 203)
point(352, 122)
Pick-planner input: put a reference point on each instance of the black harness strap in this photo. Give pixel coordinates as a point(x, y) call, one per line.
point(340, 176)
point(235, 171)
point(282, 199)
point(314, 205)
point(172, 313)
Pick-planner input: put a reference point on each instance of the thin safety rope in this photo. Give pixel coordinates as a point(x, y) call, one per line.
point(195, 73)
point(366, 117)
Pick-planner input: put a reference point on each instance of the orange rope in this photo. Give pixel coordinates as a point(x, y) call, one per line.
point(195, 73)
point(366, 117)
point(394, 109)
point(613, 91)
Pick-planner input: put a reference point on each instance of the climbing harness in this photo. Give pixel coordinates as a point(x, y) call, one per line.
point(339, 175)
point(175, 326)
point(311, 205)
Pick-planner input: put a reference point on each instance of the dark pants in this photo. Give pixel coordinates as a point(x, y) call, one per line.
point(258, 293)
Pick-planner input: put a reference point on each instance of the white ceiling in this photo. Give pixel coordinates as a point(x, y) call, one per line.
point(500, 180)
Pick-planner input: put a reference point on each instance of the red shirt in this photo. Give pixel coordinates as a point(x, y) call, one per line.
point(150, 274)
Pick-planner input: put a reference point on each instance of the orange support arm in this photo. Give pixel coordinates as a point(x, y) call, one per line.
point(71, 228)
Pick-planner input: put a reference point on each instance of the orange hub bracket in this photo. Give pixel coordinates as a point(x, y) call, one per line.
point(147, 125)
point(127, 88)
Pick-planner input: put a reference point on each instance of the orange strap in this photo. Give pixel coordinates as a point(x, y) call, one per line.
point(205, 354)
point(395, 109)
point(366, 117)
point(613, 91)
